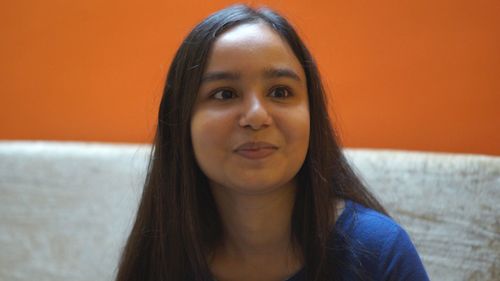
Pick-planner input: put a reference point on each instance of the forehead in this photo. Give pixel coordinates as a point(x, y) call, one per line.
point(252, 46)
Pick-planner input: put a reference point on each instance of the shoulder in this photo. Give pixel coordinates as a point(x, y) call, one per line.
point(379, 243)
point(367, 225)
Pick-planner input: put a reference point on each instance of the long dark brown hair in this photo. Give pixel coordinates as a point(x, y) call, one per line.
point(177, 223)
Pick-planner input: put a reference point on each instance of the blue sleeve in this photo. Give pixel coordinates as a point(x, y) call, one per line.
point(379, 247)
point(399, 259)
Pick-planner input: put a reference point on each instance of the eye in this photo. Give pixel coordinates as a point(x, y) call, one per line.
point(280, 92)
point(223, 94)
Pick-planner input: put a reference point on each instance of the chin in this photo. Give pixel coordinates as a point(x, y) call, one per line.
point(252, 187)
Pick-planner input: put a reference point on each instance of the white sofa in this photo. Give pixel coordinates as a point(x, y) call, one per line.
point(66, 208)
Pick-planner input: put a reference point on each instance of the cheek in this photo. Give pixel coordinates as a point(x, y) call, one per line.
point(300, 140)
point(209, 133)
point(296, 128)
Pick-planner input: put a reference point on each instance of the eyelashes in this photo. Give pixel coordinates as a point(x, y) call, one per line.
point(283, 92)
point(223, 94)
point(278, 92)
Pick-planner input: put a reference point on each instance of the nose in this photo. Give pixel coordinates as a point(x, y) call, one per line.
point(255, 115)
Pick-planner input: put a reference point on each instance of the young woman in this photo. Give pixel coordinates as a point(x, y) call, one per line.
point(246, 179)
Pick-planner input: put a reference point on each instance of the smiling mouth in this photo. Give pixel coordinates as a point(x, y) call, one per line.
point(256, 150)
point(258, 153)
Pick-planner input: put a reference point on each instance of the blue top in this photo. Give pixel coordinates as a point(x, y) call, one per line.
point(373, 244)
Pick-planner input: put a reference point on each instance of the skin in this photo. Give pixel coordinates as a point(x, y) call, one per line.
point(254, 196)
point(251, 112)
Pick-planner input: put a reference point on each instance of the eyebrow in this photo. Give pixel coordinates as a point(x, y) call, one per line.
point(220, 75)
point(268, 73)
point(281, 72)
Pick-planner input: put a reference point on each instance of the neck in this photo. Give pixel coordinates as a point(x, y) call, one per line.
point(255, 226)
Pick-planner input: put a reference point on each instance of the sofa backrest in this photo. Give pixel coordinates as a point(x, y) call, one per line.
point(66, 208)
point(448, 203)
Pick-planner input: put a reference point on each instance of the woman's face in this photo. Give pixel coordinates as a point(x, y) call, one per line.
point(250, 122)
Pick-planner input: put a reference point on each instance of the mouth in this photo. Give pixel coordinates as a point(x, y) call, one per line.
point(256, 150)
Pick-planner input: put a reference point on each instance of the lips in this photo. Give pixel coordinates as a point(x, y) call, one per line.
point(256, 150)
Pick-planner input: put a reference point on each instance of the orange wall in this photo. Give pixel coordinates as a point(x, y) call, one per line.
point(418, 75)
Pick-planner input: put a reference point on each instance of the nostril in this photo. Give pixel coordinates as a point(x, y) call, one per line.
point(255, 123)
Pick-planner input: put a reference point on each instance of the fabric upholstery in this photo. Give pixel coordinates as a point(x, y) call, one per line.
point(66, 207)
